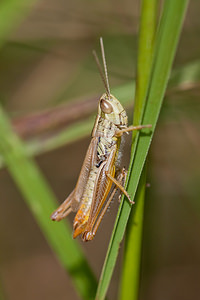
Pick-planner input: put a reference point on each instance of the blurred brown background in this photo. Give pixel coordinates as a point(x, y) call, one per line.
point(47, 62)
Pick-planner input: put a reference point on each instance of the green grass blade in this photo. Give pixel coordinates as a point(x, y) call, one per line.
point(131, 265)
point(165, 47)
point(133, 245)
point(42, 203)
point(148, 19)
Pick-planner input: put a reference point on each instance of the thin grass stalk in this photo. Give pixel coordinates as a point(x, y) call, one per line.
point(133, 242)
point(132, 253)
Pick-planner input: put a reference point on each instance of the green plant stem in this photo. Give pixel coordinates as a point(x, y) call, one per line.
point(133, 245)
point(42, 203)
point(165, 46)
point(148, 19)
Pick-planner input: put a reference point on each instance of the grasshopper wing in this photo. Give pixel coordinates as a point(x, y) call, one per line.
point(73, 200)
point(102, 188)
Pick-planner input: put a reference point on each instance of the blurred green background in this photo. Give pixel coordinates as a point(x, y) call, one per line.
point(49, 81)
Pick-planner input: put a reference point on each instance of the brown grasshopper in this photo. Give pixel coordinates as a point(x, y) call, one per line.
point(92, 194)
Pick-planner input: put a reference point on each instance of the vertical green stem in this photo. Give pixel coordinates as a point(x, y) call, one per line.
point(147, 30)
point(132, 251)
point(133, 243)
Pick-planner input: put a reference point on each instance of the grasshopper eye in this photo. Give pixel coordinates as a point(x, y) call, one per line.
point(106, 107)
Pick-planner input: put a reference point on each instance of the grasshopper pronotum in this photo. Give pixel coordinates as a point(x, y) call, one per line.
point(92, 194)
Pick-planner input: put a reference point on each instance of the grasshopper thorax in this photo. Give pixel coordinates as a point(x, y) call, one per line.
point(110, 108)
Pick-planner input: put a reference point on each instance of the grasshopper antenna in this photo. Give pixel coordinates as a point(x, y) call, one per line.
point(104, 64)
point(104, 78)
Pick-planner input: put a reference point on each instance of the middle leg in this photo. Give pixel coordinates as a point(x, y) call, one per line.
point(120, 186)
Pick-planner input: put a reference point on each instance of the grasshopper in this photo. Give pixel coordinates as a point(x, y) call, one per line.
point(92, 194)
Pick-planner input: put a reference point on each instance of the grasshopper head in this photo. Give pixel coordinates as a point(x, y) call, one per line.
point(111, 109)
